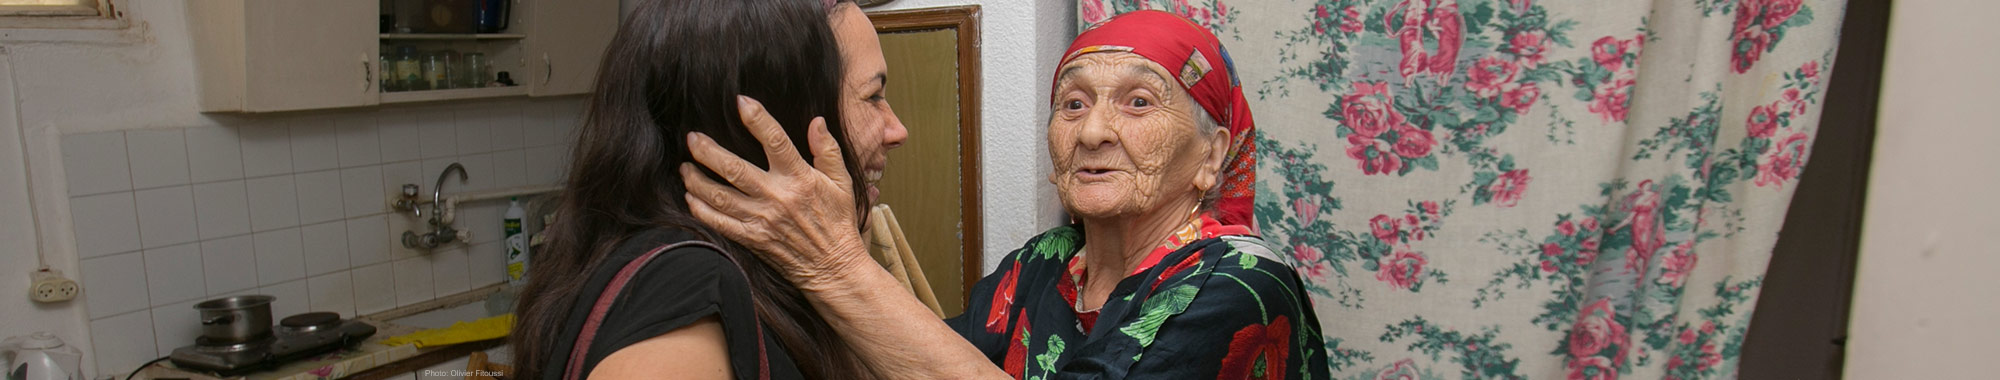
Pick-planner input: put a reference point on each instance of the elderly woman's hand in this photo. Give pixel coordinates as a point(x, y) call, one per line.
point(798, 217)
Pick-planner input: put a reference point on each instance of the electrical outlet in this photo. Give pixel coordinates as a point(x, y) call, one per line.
point(50, 286)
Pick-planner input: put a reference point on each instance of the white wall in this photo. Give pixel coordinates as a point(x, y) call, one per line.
point(1016, 197)
point(1926, 297)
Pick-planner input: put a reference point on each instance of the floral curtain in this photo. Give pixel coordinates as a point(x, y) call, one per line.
point(1480, 189)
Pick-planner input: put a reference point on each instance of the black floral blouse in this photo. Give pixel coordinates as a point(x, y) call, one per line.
point(1210, 304)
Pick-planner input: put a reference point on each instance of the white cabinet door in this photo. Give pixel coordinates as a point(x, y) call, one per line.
point(310, 54)
point(567, 42)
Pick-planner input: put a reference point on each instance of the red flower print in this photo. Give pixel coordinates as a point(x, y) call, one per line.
point(1305, 253)
point(1552, 249)
point(1687, 337)
point(1490, 76)
point(1429, 207)
point(1528, 46)
point(1369, 115)
point(1792, 97)
point(1402, 270)
point(1548, 266)
point(1189, 262)
point(1405, 369)
point(1709, 357)
point(1017, 351)
point(1350, 20)
point(1306, 209)
point(1412, 142)
point(1677, 266)
point(1521, 97)
point(1003, 301)
point(1267, 343)
point(1810, 71)
point(1592, 368)
point(1611, 101)
point(1648, 234)
point(1385, 228)
point(1609, 52)
point(1428, 23)
point(1763, 121)
point(1589, 223)
point(1708, 327)
point(1783, 163)
point(1319, 11)
point(1597, 330)
point(1749, 46)
point(1508, 187)
point(1093, 11)
point(1588, 253)
point(1776, 12)
point(1319, 19)
point(1566, 227)
point(1375, 155)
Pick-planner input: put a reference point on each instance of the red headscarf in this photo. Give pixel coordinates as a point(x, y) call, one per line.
point(1203, 68)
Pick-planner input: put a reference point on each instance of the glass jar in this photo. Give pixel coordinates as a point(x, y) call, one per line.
point(409, 74)
point(437, 69)
point(471, 71)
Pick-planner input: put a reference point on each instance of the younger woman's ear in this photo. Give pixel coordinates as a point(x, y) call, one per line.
point(1208, 175)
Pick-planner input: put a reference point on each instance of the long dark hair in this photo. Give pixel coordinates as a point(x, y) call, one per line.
point(675, 67)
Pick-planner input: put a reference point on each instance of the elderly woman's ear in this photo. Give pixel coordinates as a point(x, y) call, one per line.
point(1218, 140)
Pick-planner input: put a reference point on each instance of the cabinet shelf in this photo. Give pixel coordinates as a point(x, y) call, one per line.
point(453, 94)
point(430, 36)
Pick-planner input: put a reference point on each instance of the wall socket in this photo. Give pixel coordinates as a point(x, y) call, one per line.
point(50, 286)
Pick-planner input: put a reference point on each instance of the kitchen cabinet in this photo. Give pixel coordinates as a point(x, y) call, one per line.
point(288, 55)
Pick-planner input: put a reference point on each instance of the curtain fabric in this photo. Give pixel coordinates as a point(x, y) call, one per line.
point(1526, 189)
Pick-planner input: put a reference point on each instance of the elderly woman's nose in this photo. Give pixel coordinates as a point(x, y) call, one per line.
point(894, 136)
point(1099, 130)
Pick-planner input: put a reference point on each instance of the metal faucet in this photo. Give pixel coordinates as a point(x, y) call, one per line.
point(441, 232)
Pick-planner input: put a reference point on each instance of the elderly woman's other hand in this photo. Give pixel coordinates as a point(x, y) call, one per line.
point(799, 217)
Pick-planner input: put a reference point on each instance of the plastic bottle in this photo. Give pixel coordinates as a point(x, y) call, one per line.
point(517, 244)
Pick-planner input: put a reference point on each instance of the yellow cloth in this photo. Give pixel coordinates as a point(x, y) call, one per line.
point(461, 332)
point(890, 248)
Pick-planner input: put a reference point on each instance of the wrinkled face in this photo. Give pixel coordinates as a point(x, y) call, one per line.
point(872, 128)
point(1124, 140)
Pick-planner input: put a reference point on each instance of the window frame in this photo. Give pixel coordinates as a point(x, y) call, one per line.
point(96, 14)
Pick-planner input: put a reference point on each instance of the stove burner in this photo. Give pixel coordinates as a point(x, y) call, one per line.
point(310, 322)
point(296, 337)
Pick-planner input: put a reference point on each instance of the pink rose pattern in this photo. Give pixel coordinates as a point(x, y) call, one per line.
point(1413, 82)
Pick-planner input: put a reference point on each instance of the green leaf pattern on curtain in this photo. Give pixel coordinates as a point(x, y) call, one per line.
point(1526, 189)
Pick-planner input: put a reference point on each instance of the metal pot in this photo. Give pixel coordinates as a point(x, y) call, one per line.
point(235, 319)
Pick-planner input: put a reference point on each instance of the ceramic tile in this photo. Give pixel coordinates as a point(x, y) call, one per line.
point(159, 157)
point(332, 292)
point(367, 240)
point(166, 216)
point(273, 202)
point(173, 274)
point(280, 257)
point(123, 342)
point(96, 163)
point(176, 325)
point(104, 224)
point(413, 281)
point(293, 298)
point(359, 144)
point(115, 284)
point(399, 136)
point(315, 144)
point(267, 149)
point(325, 247)
point(374, 288)
point(437, 133)
point(221, 209)
point(229, 264)
point(448, 270)
point(319, 197)
point(214, 154)
point(362, 189)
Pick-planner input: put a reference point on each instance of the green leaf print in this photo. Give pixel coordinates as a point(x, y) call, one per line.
point(1156, 310)
point(1060, 243)
point(1047, 360)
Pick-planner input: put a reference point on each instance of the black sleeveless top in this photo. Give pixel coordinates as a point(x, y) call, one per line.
point(674, 290)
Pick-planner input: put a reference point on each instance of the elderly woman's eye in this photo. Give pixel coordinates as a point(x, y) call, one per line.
point(1140, 102)
point(1073, 105)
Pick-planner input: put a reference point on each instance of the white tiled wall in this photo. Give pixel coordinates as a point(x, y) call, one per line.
point(290, 206)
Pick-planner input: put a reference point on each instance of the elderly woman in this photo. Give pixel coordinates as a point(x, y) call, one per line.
point(1162, 278)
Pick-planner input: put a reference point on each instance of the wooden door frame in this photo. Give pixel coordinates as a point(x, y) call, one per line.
point(965, 20)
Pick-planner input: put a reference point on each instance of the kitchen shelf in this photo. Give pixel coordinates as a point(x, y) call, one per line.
point(454, 94)
point(431, 36)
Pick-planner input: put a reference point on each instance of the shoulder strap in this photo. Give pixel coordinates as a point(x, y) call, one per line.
point(580, 351)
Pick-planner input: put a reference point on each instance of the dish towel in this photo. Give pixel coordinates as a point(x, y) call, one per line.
point(485, 328)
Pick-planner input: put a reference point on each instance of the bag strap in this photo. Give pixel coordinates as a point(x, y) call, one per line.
point(598, 311)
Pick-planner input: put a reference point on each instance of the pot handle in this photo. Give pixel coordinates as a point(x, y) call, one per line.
point(222, 320)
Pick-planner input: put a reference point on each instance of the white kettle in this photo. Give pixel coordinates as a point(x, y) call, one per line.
point(40, 356)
